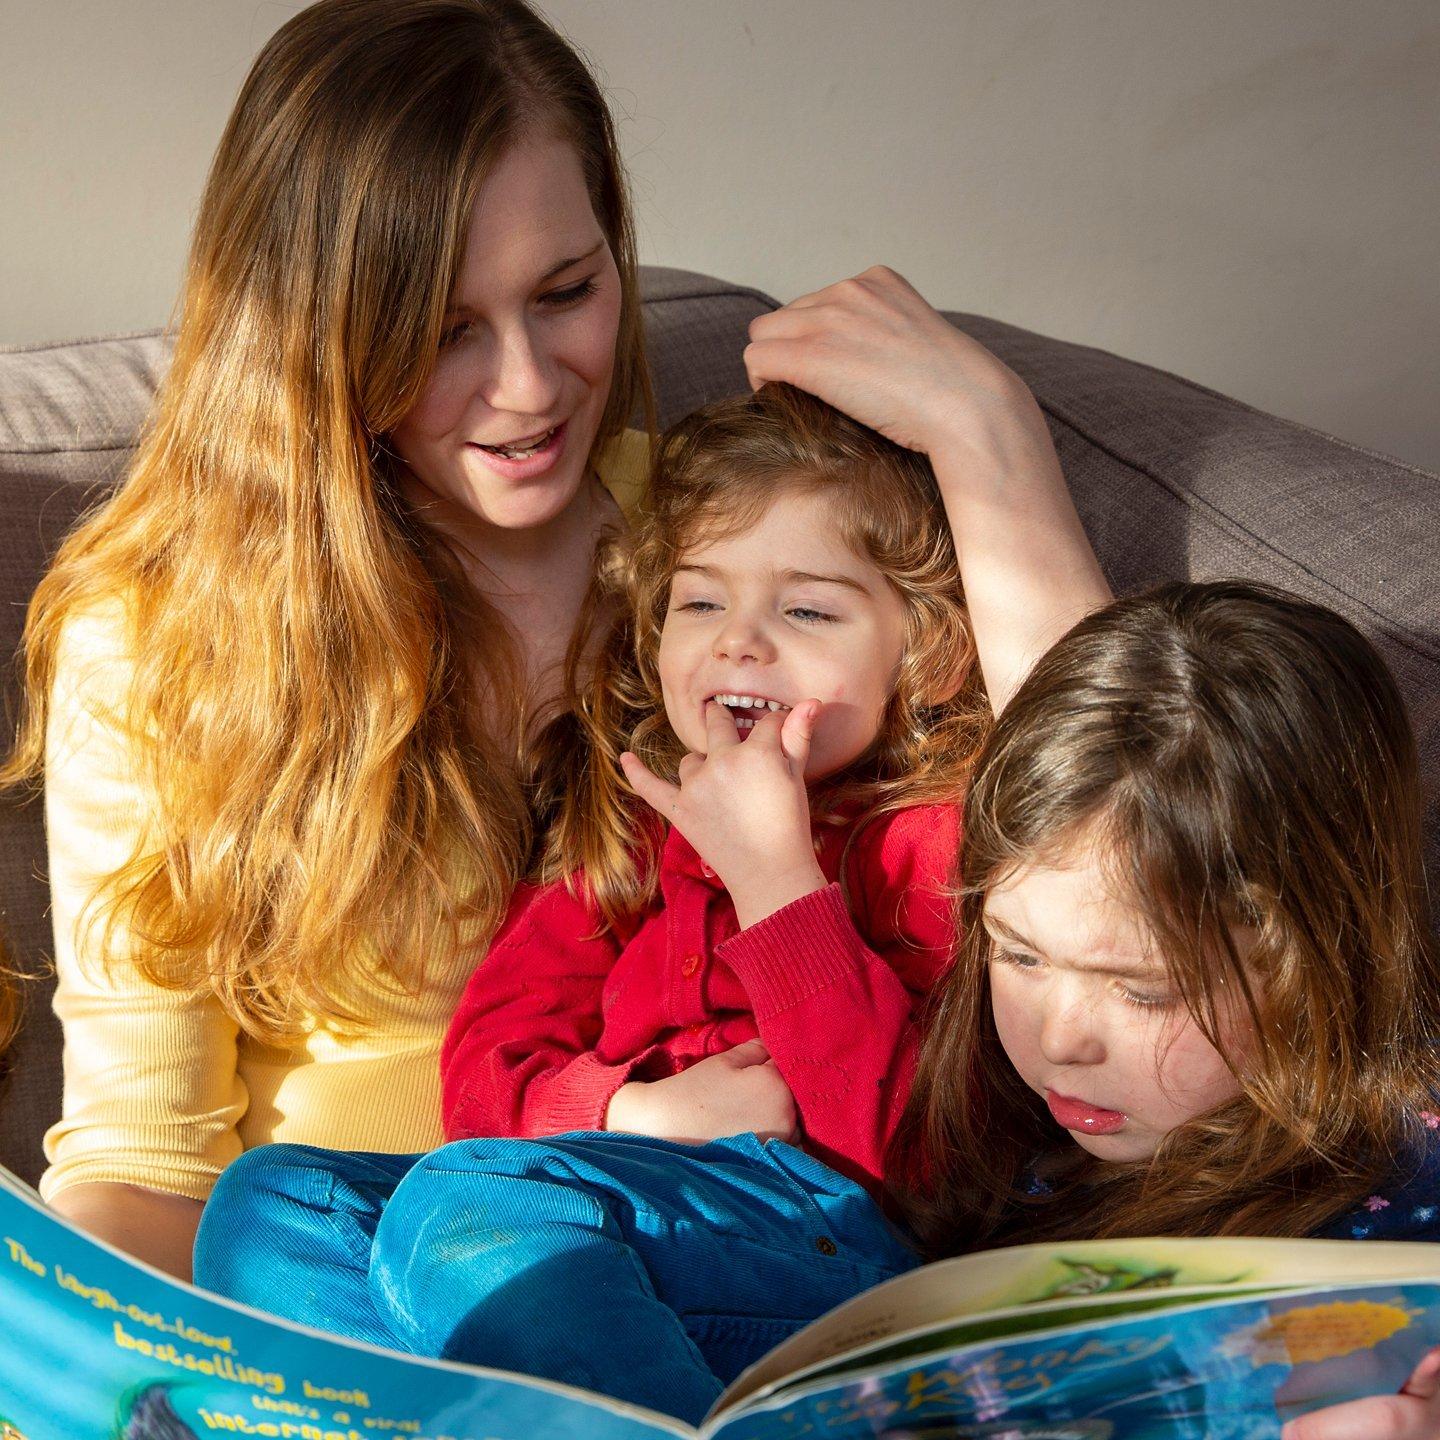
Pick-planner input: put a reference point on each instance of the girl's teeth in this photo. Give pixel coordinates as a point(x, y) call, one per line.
point(748, 702)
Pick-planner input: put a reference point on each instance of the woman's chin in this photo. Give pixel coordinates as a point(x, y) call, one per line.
point(517, 505)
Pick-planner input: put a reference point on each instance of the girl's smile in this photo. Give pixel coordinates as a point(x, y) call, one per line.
point(783, 612)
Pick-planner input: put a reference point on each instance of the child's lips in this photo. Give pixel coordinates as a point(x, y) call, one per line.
point(1082, 1117)
point(746, 709)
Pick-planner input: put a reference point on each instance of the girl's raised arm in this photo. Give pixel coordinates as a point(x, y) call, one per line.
point(874, 348)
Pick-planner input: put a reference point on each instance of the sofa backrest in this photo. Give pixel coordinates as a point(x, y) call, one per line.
point(1172, 481)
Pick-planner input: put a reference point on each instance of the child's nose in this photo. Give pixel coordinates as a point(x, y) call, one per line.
point(1070, 1032)
point(743, 640)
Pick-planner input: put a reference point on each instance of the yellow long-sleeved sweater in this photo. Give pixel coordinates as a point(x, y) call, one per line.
point(162, 1088)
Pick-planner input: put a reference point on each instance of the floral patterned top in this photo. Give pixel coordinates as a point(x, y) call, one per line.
point(1408, 1209)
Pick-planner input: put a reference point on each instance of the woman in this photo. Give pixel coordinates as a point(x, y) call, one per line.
point(277, 683)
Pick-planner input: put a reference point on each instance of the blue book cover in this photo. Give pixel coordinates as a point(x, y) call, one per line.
point(96, 1346)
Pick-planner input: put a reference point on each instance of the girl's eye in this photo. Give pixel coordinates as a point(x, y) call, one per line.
point(808, 615)
point(1017, 958)
point(698, 607)
point(571, 295)
point(1144, 999)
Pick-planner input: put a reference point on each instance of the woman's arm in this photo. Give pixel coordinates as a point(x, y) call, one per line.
point(152, 1092)
point(148, 1224)
point(872, 347)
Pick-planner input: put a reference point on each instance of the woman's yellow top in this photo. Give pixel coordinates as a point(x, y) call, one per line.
point(161, 1087)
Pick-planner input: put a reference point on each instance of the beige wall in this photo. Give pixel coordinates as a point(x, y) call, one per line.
point(1243, 192)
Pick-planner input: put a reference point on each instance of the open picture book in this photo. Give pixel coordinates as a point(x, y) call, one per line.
point(1101, 1340)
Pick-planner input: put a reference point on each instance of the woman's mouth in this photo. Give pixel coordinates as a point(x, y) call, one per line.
point(1082, 1117)
point(524, 456)
point(748, 710)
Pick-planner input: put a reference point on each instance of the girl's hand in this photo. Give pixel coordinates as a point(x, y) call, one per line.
point(873, 347)
point(744, 808)
point(1413, 1414)
point(731, 1093)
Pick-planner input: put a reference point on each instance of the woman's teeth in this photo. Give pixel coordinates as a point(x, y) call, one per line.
point(519, 452)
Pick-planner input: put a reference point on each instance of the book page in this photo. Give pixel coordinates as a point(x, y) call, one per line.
point(1236, 1368)
point(997, 1281)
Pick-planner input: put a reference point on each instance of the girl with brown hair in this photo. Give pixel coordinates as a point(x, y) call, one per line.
point(278, 682)
point(1197, 992)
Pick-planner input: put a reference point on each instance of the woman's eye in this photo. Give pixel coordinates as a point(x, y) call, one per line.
point(454, 335)
point(808, 615)
point(571, 295)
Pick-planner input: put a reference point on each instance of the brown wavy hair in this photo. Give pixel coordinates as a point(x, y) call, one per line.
point(302, 698)
point(716, 474)
point(1243, 758)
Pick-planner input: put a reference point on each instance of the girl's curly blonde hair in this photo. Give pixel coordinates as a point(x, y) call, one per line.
point(716, 473)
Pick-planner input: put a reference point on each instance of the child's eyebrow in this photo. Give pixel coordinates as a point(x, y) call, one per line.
point(1136, 969)
point(800, 577)
point(805, 577)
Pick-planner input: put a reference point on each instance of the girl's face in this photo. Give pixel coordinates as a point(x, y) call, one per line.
point(1088, 1016)
point(784, 612)
point(528, 351)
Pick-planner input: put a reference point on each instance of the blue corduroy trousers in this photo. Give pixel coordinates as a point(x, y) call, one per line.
point(648, 1271)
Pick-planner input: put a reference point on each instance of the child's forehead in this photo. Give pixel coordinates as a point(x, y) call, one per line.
point(1071, 908)
point(785, 527)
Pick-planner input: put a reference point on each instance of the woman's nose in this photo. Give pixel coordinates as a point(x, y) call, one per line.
point(525, 378)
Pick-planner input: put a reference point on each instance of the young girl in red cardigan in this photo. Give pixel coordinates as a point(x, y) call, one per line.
point(742, 902)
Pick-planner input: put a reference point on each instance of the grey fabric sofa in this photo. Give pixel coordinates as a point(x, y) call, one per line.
point(1172, 480)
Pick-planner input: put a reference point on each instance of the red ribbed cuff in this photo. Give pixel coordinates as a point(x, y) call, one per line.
point(800, 950)
point(578, 1097)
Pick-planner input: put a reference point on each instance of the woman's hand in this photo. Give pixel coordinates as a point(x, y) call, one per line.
point(1413, 1414)
point(737, 1091)
point(875, 349)
point(744, 808)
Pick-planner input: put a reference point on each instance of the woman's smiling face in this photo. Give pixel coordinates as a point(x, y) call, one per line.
point(785, 611)
point(502, 432)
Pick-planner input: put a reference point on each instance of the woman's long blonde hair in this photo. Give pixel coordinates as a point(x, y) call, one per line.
point(1243, 759)
point(716, 474)
point(302, 700)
